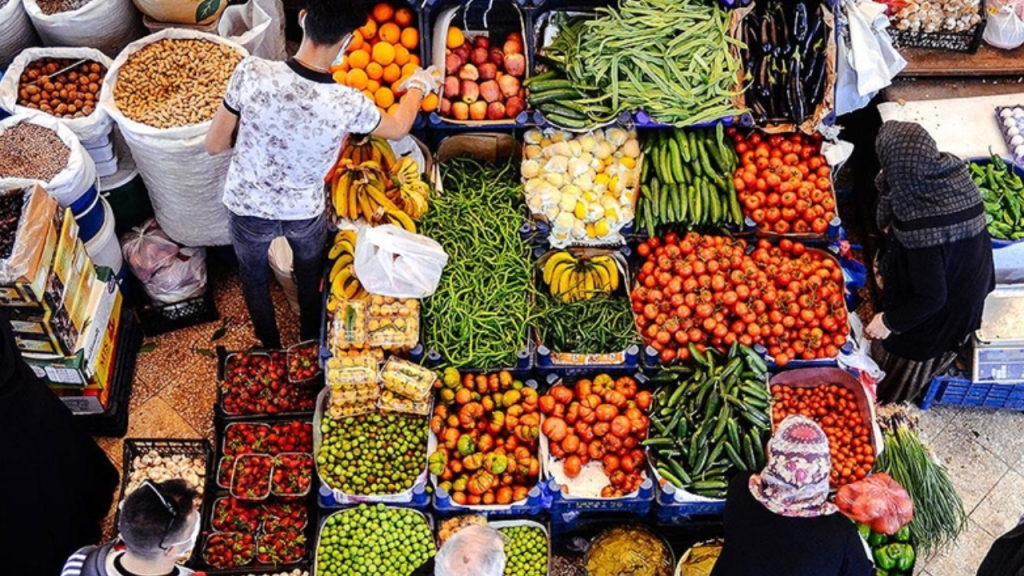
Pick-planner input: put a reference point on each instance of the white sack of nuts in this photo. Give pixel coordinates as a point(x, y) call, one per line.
point(89, 128)
point(168, 137)
point(107, 25)
point(16, 31)
point(72, 180)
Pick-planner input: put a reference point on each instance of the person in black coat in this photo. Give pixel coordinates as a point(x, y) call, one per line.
point(57, 485)
point(936, 268)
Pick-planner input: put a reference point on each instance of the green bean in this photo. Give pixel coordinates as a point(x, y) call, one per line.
point(599, 325)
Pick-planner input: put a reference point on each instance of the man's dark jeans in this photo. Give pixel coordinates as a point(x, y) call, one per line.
point(251, 238)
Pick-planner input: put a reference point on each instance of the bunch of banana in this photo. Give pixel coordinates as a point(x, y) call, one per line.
point(371, 149)
point(571, 278)
point(344, 284)
point(360, 184)
point(409, 191)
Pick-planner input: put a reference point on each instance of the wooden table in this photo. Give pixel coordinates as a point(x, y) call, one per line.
point(941, 74)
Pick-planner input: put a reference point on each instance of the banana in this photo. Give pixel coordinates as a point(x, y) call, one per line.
point(340, 265)
point(350, 288)
point(553, 262)
point(560, 270)
point(611, 272)
point(588, 285)
point(601, 281)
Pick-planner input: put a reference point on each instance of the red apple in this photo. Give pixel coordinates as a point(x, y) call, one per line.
point(470, 91)
point(482, 42)
point(495, 111)
point(488, 71)
point(460, 110)
point(515, 64)
point(513, 47)
point(469, 72)
point(497, 57)
point(478, 56)
point(514, 105)
point(446, 107)
point(451, 86)
point(452, 63)
point(478, 110)
point(490, 92)
point(463, 52)
point(515, 36)
point(509, 85)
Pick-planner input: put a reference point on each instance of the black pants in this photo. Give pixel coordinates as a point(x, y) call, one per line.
point(251, 238)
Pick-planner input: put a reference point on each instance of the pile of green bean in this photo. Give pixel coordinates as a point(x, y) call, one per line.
point(599, 325)
point(479, 314)
point(669, 58)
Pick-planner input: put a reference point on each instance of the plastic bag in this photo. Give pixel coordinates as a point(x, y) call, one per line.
point(1005, 28)
point(258, 25)
point(107, 25)
point(147, 249)
point(183, 278)
point(394, 262)
point(866, 59)
point(878, 501)
point(474, 550)
point(16, 32)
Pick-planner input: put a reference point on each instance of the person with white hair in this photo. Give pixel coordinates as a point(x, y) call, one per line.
point(473, 551)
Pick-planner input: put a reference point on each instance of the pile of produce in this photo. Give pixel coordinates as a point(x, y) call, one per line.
point(32, 152)
point(69, 94)
point(479, 313)
point(893, 555)
point(599, 325)
point(382, 55)
point(877, 501)
point(708, 291)
point(449, 526)
point(686, 180)
point(260, 459)
point(1003, 194)
point(483, 79)
point(233, 515)
point(939, 515)
point(175, 82)
point(629, 550)
point(257, 383)
point(304, 361)
point(564, 104)
point(369, 182)
point(784, 183)
point(584, 185)
point(598, 424)
point(572, 278)
point(226, 550)
point(275, 531)
point(372, 454)
point(342, 280)
point(487, 429)
point(785, 59)
point(526, 550)
point(155, 467)
point(682, 73)
point(12, 202)
point(373, 540)
point(836, 409)
point(934, 17)
point(50, 7)
point(709, 425)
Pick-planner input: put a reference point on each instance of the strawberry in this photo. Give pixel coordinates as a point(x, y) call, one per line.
point(232, 514)
point(293, 474)
point(283, 515)
point(225, 471)
point(245, 438)
point(282, 547)
point(229, 549)
point(257, 383)
point(251, 480)
point(303, 362)
point(292, 436)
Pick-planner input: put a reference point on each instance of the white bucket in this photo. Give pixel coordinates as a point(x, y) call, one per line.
point(104, 249)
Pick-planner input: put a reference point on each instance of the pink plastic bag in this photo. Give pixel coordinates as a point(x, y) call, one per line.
point(147, 249)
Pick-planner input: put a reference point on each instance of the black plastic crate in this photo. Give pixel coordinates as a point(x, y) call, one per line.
point(967, 41)
point(159, 319)
point(218, 409)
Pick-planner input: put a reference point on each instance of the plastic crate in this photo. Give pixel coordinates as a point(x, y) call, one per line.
point(427, 518)
point(158, 319)
point(958, 390)
point(222, 358)
point(967, 41)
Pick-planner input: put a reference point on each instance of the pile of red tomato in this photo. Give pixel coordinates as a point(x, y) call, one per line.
point(600, 420)
point(707, 291)
point(784, 183)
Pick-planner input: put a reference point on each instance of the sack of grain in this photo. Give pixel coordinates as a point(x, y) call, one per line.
point(166, 130)
point(36, 157)
point(107, 25)
point(188, 12)
point(16, 31)
point(89, 128)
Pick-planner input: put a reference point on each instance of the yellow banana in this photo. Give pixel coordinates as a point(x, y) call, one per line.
point(602, 281)
point(588, 285)
point(342, 266)
point(561, 269)
point(553, 262)
point(351, 287)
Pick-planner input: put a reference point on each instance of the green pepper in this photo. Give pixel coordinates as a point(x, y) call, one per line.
point(876, 540)
point(896, 556)
point(466, 445)
point(864, 530)
point(883, 558)
point(903, 535)
point(905, 559)
point(880, 572)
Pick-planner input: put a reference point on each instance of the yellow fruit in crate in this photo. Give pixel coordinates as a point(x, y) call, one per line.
point(628, 162)
point(601, 228)
point(581, 210)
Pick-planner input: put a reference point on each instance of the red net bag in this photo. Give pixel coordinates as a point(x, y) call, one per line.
point(878, 501)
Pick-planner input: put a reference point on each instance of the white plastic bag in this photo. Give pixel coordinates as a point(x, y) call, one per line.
point(183, 278)
point(89, 128)
point(258, 25)
point(866, 60)
point(107, 25)
point(147, 249)
point(16, 32)
point(859, 362)
point(1005, 29)
point(393, 262)
point(281, 258)
point(185, 183)
point(70, 183)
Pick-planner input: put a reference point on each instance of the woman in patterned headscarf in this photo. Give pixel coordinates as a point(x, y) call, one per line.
point(780, 522)
point(936, 268)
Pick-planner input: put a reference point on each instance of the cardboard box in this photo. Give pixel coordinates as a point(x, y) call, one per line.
point(24, 276)
point(36, 335)
point(65, 256)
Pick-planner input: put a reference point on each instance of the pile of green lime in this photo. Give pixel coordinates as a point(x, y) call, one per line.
point(374, 540)
point(373, 453)
point(527, 551)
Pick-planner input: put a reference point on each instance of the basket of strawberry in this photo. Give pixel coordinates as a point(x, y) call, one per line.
point(225, 550)
point(233, 515)
point(256, 383)
point(251, 478)
point(282, 547)
point(304, 361)
point(293, 475)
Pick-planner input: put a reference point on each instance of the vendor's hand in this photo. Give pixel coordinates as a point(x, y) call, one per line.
point(427, 81)
point(876, 329)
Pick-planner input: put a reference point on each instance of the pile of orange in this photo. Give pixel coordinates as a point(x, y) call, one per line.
point(382, 55)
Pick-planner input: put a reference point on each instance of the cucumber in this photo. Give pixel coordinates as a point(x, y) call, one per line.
point(550, 74)
point(549, 84)
point(565, 122)
point(684, 147)
point(551, 96)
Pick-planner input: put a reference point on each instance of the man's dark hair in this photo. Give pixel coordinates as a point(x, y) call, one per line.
point(328, 21)
point(145, 520)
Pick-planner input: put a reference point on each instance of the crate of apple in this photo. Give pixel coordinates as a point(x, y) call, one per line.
point(281, 547)
point(226, 550)
point(251, 478)
point(293, 475)
point(483, 79)
point(304, 362)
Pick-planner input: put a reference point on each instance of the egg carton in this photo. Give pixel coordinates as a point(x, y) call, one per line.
point(1011, 124)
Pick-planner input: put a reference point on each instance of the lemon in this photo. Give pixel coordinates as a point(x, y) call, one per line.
point(601, 228)
point(581, 210)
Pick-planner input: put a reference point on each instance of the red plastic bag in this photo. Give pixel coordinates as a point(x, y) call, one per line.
point(878, 501)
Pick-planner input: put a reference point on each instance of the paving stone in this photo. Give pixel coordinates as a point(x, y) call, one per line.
point(964, 557)
point(973, 469)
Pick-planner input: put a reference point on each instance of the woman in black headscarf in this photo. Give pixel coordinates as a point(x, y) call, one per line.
point(936, 268)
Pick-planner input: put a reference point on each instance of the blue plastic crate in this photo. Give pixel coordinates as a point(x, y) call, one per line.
point(420, 499)
point(959, 390)
point(670, 511)
point(537, 501)
point(567, 510)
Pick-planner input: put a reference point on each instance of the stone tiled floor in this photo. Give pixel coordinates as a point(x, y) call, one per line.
point(174, 393)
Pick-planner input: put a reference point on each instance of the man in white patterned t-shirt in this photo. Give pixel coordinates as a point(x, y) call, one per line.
point(286, 122)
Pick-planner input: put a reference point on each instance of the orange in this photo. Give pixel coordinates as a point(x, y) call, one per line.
point(392, 72)
point(390, 33)
point(369, 30)
point(429, 104)
point(414, 59)
point(369, 95)
point(374, 70)
point(395, 85)
point(410, 38)
point(403, 17)
point(455, 38)
point(373, 85)
point(383, 53)
point(340, 76)
point(357, 41)
point(356, 79)
point(358, 59)
point(401, 55)
point(383, 12)
point(393, 110)
point(384, 97)
point(408, 69)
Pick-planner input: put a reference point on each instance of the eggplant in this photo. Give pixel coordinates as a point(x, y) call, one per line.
point(797, 82)
point(800, 23)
